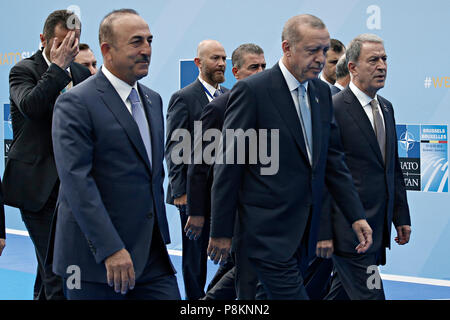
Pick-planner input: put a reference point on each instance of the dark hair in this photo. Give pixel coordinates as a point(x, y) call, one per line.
point(67, 19)
point(105, 33)
point(237, 58)
point(83, 46)
point(336, 45)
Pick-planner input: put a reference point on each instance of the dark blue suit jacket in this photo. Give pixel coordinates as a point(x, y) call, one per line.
point(380, 186)
point(274, 210)
point(110, 197)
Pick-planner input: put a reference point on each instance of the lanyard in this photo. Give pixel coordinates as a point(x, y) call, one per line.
point(207, 91)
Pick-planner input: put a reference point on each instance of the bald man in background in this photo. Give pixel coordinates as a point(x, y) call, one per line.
point(185, 107)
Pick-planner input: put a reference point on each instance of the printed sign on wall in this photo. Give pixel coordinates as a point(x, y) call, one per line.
point(423, 154)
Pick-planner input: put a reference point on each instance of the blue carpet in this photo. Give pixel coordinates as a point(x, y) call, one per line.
point(18, 267)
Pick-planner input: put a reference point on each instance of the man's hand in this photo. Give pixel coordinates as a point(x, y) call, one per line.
point(2, 245)
point(63, 53)
point(403, 234)
point(364, 234)
point(194, 226)
point(120, 271)
point(181, 200)
point(324, 249)
point(218, 249)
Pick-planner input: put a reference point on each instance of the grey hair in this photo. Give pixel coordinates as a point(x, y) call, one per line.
point(237, 58)
point(342, 67)
point(291, 31)
point(354, 48)
point(106, 32)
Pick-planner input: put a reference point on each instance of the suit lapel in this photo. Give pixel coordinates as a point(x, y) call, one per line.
point(358, 114)
point(282, 98)
point(40, 62)
point(115, 104)
point(200, 94)
point(76, 74)
point(316, 121)
point(156, 130)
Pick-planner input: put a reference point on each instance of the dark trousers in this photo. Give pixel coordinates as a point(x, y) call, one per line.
point(318, 278)
point(282, 280)
point(157, 281)
point(47, 286)
point(194, 260)
point(354, 279)
point(222, 286)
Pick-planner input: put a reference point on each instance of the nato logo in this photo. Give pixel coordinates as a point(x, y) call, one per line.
point(408, 137)
point(422, 150)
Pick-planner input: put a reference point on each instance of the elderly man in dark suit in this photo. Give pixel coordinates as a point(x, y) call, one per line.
point(278, 212)
point(367, 128)
point(30, 181)
point(247, 59)
point(108, 136)
point(185, 107)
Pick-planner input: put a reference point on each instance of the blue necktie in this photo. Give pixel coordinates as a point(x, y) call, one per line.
point(305, 117)
point(217, 93)
point(141, 120)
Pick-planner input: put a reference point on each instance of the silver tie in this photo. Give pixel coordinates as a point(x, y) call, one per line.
point(379, 127)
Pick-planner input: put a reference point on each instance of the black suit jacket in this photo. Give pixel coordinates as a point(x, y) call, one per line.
point(276, 211)
point(185, 107)
point(200, 176)
point(2, 217)
point(30, 173)
point(380, 185)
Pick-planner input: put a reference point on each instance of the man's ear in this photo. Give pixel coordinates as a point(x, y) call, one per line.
point(43, 40)
point(352, 68)
point(197, 62)
point(286, 47)
point(105, 49)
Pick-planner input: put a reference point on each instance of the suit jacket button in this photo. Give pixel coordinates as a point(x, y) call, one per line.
point(150, 215)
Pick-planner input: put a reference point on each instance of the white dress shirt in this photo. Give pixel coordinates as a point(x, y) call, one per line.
point(210, 89)
point(293, 85)
point(364, 100)
point(122, 88)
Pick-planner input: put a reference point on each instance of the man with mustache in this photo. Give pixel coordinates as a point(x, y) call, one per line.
point(185, 107)
point(108, 137)
point(367, 128)
point(278, 214)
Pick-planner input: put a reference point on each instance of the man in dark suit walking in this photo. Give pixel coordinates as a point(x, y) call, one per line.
point(278, 211)
point(247, 59)
point(108, 136)
point(185, 107)
point(30, 181)
point(367, 128)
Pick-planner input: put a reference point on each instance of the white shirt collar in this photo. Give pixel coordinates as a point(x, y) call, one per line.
point(122, 88)
point(209, 87)
point(339, 86)
point(363, 98)
point(321, 77)
point(291, 81)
